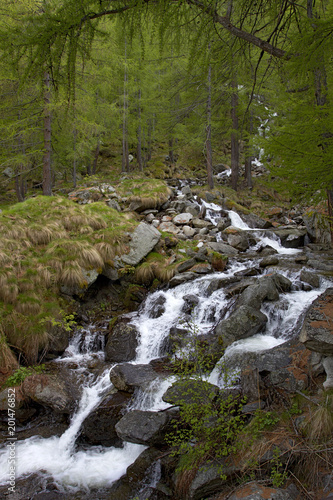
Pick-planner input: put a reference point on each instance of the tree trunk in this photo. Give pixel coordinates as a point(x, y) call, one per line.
point(47, 180)
point(234, 136)
point(209, 152)
point(74, 160)
point(171, 152)
point(96, 157)
point(139, 134)
point(125, 160)
point(321, 95)
point(149, 139)
point(249, 157)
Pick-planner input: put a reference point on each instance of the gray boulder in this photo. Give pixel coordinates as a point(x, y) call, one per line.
point(145, 427)
point(122, 343)
point(290, 236)
point(127, 377)
point(244, 322)
point(190, 391)
point(144, 238)
point(223, 248)
point(317, 329)
point(54, 389)
point(318, 227)
point(310, 278)
point(239, 241)
point(99, 427)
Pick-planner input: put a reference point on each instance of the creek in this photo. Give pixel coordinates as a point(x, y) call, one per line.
point(73, 467)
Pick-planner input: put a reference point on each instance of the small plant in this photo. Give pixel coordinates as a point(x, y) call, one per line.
point(278, 473)
point(22, 373)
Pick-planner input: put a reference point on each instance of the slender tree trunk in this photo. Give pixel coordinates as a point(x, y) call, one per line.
point(209, 131)
point(96, 154)
point(47, 178)
point(139, 134)
point(125, 159)
point(149, 139)
point(322, 99)
point(74, 160)
point(234, 136)
point(249, 157)
point(171, 152)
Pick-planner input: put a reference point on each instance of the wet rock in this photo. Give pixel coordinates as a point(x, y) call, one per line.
point(127, 377)
point(202, 268)
point(122, 343)
point(285, 366)
point(317, 329)
point(190, 302)
point(157, 307)
point(264, 289)
point(129, 485)
point(244, 322)
point(290, 236)
point(182, 278)
point(256, 222)
point(268, 261)
point(146, 427)
point(56, 389)
point(239, 241)
point(190, 392)
point(223, 248)
point(99, 427)
point(310, 278)
point(320, 265)
point(210, 479)
point(186, 265)
point(143, 240)
point(59, 340)
point(216, 284)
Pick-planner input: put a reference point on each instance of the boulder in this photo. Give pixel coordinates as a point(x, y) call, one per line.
point(310, 278)
point(270, 260)
point(223, 248)
point(144, 238)
point(146, 427)
point(290, 236)
point(182, 278)
point(55, 389)
point(256, 222)
point(266, 288)
point(239, 241)
point(169, 227)
point(318, 227)
point(127, 377)
point(186, 265)
point(244, 322)
point(88, 278)
point(157, 307)
point(182, 219)
point(122, 343)
point(190, 391)
point(317, 329)
point(99, 427)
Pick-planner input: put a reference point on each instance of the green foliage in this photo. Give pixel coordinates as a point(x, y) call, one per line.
point(210, 421)
point(22, 373)
point(278, 472)
point(261, 422)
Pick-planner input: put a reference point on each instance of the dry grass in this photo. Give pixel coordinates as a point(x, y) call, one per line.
point(39, 235)
point(8, 361)
point(106, 250)
point(319, 425)
point(72, 276)
point(144, 274)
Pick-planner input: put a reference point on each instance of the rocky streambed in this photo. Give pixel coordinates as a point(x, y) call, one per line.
point(94, 423)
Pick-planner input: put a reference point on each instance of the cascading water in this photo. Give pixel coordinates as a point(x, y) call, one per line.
point(75, 469)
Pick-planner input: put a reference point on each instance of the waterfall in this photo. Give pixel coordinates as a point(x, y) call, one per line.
point(74, 468)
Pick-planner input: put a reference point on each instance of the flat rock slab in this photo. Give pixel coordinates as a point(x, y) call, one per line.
point(144, 238)
point(317, 329)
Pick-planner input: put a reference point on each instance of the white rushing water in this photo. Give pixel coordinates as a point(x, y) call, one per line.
point(74, 468)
